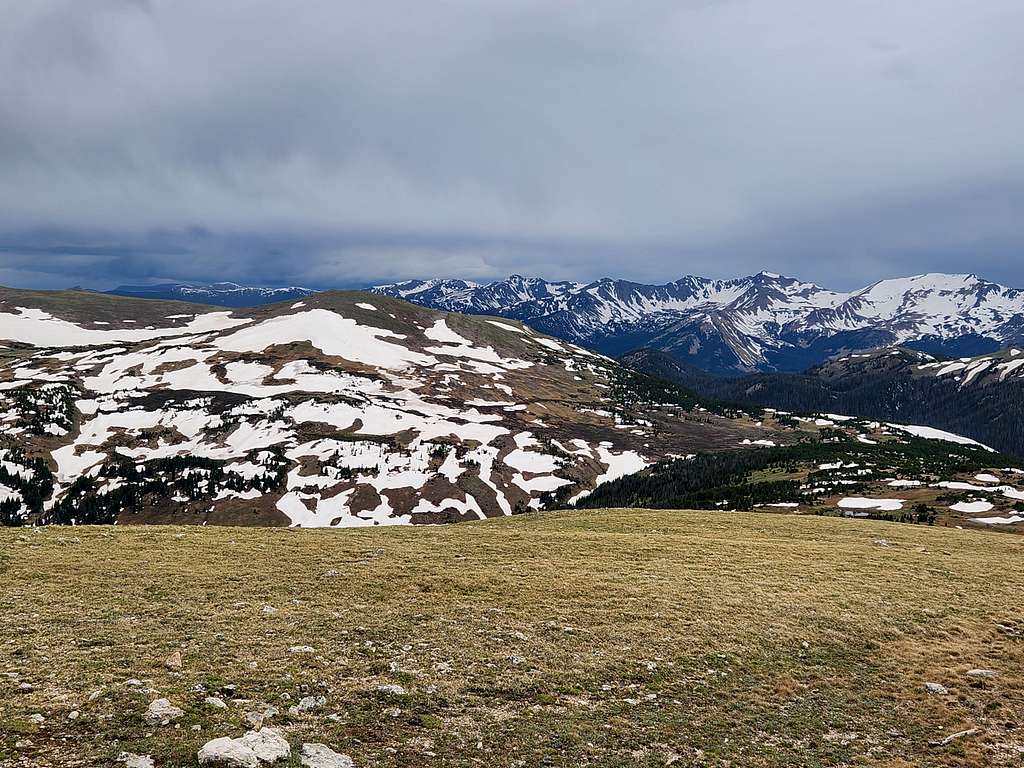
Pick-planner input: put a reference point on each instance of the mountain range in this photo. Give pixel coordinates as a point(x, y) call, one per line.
point(217, 294)
point(764, 322)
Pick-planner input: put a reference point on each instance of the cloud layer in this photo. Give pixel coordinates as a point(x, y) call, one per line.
point(334, 143)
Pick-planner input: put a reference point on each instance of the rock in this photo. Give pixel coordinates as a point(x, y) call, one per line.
point(982, 673)
point(301, 649)
point(269, 610)
point(256, 718)
point(954, 736)
point(267, 744)
point(37, 718)
point(73, 714)
point(131, 760)
point(228, 753)
point(162, 712)
point(25, 688)
point(308, 704)
point(391, 690)
point(213, 701)
point(936, 688)
point(322, 756)
point(173, 661)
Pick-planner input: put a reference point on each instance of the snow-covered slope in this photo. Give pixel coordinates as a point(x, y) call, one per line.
point(337, 409)
point(217, 294)
point(761, 322)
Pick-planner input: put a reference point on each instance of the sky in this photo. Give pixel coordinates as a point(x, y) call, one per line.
point(341, 143)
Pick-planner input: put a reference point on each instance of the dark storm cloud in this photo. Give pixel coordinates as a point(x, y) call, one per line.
point(334, 143)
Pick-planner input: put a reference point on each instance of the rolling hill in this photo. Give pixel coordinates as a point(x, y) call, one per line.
point(341, 409)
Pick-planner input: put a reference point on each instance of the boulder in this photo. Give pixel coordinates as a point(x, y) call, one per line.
point(227, 753)
point(267, 744)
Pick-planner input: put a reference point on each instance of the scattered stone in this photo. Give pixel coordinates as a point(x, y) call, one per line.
point(132, 760)
point(214, 702)
point(516, 660)
point(308, 704)
point(173, 662)
point(25, 688)
point(982, 673)
point(391, 690)
point(883, 542)
point(73, 714)
point(954, 736)
point(269, 610)
point(936, 688)
point(322, 756)
point(134, 682)
point(162, 712)
point(228, 753)
point(37, 718)
point(301, 649)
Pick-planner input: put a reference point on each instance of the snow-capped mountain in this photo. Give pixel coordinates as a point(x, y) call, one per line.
point(217, 294)
point(762, 322)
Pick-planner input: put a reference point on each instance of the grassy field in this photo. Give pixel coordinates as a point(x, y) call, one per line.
point(598, 638)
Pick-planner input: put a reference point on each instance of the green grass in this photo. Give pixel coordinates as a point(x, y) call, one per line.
point(598, 638)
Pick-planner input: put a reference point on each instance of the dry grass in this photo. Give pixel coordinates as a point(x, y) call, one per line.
point(600, 638)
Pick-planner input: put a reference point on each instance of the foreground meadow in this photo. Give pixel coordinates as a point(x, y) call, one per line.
point(598, 638)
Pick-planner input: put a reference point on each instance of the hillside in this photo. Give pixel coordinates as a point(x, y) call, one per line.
point(764, 322)
point(340, 409)
point(598, 638)
point(892, 475)
point(981, 397)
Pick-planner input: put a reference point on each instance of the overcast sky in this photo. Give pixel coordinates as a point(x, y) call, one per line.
point(340, 142)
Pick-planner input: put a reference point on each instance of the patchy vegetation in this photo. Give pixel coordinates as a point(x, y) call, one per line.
point(894, 478)
point(596, 638)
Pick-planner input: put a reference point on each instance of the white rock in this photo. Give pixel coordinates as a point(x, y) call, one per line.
point(322, 756)
point(37, 718)
point(308, 704)
point(229, 753)
point(216, 703)
point(391, 690)
point(936, 688)
point(267, 744)
point(982, 673)
point(301, 649)
point(131, 760)
point(161, 712)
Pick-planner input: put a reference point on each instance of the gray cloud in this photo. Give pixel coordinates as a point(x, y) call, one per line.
point(335, 143)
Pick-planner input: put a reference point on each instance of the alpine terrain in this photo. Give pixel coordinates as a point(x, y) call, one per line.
point(219, 294)
point(765, 322)
point(981, 397)
point(341, 409)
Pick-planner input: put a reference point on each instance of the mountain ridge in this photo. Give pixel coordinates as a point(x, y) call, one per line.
point(762, 322)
